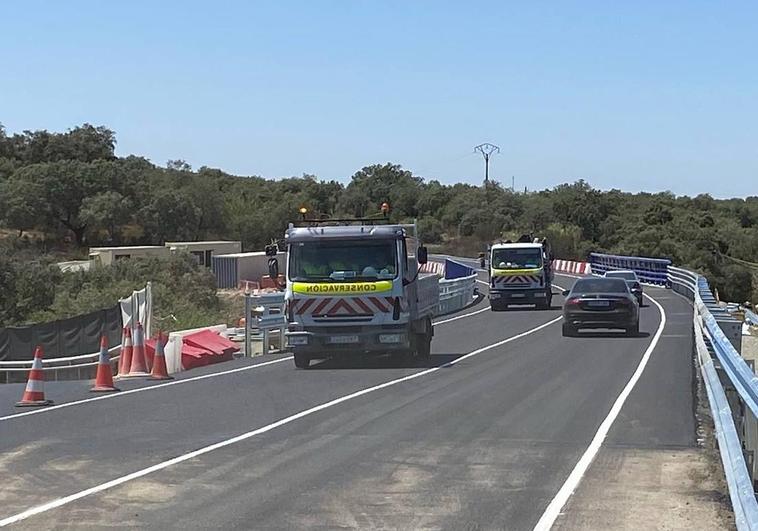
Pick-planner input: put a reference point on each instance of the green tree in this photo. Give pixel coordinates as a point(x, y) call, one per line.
point(107, 211)
point(376, 184)
point(22, 205)
point(170, 215)
point(65, 184)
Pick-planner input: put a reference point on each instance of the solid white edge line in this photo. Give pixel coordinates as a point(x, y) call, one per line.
point(482, 310)
point(553, 510)
point(141, 389)
point(183, 380)
point(207, 449)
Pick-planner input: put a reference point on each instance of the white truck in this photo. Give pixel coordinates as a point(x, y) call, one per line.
point(356, 288)
point(521, 273)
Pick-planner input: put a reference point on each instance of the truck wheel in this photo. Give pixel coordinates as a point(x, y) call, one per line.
point(424, 345)
point(302, 361)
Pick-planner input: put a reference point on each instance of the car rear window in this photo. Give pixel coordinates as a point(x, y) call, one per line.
point(626, 275)
point(599, 285)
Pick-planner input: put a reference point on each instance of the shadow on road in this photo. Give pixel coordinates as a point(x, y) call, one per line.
point(614, 335)
point(524, 308)
point(382, 362)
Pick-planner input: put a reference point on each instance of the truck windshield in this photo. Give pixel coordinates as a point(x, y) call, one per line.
point(333, 261)
point(528, 258)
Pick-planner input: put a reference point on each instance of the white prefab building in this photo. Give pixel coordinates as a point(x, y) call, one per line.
point(232, 270)
point(107, 255)
point(205, 251)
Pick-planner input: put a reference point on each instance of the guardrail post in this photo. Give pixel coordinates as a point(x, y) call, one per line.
point(248, 325)
point(749, 436)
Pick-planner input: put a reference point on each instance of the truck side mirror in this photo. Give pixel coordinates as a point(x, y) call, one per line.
point(273, 268)
point(421, 255)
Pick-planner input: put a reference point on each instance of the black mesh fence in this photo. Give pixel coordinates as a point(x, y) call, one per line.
point(67, 337)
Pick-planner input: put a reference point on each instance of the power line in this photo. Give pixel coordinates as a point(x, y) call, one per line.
point(738, 260)
point(487, 150)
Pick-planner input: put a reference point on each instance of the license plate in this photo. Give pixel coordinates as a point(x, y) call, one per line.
point(343, 340)
point(599, 304)
point(517, 296)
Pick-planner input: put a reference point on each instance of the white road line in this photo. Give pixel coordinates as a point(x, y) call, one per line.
point(572, 482)
point(183, 380)
point(462, 316)
point(141, 389)
point(239, 438)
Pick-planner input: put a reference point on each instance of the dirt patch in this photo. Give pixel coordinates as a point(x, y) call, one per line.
point(649, 489)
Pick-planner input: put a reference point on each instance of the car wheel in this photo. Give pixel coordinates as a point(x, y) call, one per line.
point(302, 361)
point(568, 330)
point(634, 330)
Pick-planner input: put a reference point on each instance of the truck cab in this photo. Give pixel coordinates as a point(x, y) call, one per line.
point(357, 289)
point(520, 273)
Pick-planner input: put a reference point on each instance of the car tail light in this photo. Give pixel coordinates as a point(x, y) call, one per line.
point(572, 302)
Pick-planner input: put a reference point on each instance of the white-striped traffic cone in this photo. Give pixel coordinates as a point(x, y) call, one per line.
point(138, 367)
point(104, 378)
point(34, 394)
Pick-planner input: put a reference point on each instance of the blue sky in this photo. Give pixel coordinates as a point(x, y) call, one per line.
point(631, 95)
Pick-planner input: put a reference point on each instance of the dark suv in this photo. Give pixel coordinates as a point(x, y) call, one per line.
point(631, 279)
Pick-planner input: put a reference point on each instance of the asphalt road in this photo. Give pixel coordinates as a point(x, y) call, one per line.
point(482, 442)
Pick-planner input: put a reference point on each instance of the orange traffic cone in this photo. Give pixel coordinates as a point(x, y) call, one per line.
point(160, 372)
point(125, 359)
point(104, 379)
point(138, 367)
point(34, 394)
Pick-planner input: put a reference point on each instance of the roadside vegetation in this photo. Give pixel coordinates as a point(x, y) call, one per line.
point(63, 192)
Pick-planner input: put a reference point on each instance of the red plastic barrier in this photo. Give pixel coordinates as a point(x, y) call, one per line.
point(205, 348)
point(199, 349)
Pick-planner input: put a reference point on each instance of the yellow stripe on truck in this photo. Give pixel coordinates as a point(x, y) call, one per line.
point(341, 288)
point(514, 272)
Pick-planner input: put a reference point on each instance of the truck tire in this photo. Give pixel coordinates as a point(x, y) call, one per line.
point(302, 361)
point(424, 345)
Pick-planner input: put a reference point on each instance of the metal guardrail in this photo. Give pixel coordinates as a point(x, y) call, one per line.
point(735, 469)
point(7, 368)
point(708, 333)
point(649, 270)
point(266, 313)
point(456, 293)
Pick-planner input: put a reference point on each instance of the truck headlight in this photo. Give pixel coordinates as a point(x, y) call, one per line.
point(390, 338)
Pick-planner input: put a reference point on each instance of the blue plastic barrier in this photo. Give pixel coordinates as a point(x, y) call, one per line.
point(649, 270)
point(457, 270)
